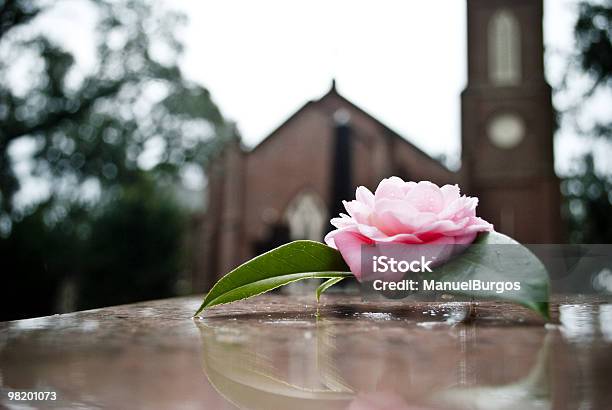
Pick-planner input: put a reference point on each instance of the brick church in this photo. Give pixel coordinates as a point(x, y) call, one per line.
point(289, 185)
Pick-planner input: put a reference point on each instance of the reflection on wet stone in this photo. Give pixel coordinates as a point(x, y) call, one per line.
point(578, 322)
point(605, 321)
point(278, 352)
point(429, 356)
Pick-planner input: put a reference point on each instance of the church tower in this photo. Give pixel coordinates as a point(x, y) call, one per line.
point(507, 121)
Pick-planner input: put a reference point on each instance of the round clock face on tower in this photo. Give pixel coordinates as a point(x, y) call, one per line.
point(506, 130)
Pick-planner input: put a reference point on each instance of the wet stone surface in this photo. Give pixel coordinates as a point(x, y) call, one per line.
point(277, 352)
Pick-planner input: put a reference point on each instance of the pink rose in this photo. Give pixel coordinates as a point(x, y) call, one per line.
point(405, 213)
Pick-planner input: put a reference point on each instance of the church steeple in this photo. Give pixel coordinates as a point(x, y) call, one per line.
point(332, 88)
point(505, 42)
point(507, 120)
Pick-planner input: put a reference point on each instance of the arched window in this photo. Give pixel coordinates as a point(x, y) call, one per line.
point(504, 49)
point(306, 217)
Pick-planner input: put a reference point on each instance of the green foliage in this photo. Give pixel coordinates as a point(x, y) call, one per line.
point(326, 285)
point(35, 259)
point(288, 263)
point(101, 125)
point(134, 249)
point(492, 257)
point(97, 129)
point(593, 32)
point(588, 205)
point(126, 250)
point(498, 258)
point(588, 192)
point(592, 59)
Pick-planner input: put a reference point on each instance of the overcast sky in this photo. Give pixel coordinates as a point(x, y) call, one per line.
point(402, 61)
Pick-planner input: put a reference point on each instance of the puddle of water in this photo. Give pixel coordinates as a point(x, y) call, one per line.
point(406, 355)
point(374, 316)
point(605, 321)
point(578, 322)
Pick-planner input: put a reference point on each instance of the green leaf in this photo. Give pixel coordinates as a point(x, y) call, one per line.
point(326, 285)
point(288, 263)
point(496, 257)
point(492, 257)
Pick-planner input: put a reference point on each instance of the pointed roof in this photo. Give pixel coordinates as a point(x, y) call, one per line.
point(333, 93)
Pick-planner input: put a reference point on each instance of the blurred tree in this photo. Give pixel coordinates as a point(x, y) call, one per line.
point(593, 32)
point(134, 110)
point(126, 249)
point(112, 144)
point(121, 266)
point(589, 205)
point(35, 258)
point(588, 193)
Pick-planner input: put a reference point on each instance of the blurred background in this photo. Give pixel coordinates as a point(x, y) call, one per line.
point(146, 147)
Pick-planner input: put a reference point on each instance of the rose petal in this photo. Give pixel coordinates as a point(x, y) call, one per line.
point(349, 245)
point(405, 238)
point(390, 188)
point(408, 218)
point(358, 210)
point(450, 193)
point(406, 213)
point(447, 227)
point(365, 196)
point(370, 231)
point(426, 197)
point(342, 222)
